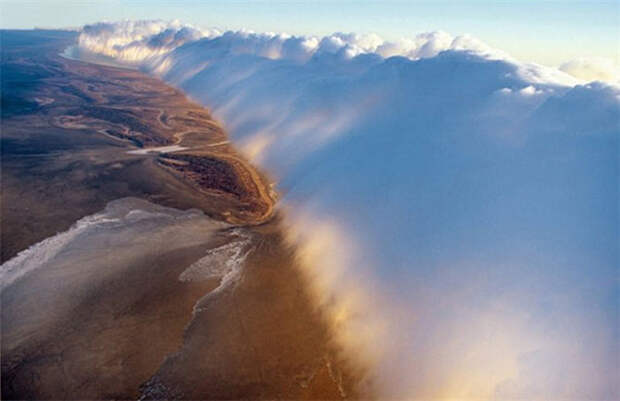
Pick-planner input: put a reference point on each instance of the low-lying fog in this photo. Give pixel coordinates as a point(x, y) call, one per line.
point(457, 209)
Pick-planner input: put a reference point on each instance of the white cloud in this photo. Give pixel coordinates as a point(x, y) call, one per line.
point(136, 41)
point(593, 69)
point(472, 195)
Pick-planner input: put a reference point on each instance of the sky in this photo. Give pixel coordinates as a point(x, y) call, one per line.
point(548, 32)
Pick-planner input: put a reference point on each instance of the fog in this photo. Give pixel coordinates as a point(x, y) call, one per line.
point(456, 209)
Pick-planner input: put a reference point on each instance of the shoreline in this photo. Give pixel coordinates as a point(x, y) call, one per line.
point(259, 178)
point(93, 105)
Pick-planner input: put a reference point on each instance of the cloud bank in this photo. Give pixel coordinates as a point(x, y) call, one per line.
point(592, 69)
point(455, 209)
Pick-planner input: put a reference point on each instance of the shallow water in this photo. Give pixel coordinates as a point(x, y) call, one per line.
point(158, 149)
point(125, 224)
point(106, 294)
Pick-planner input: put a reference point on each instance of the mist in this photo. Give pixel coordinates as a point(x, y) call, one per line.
point(456, 210)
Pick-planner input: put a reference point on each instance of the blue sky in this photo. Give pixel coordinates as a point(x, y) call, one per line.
point(548, 32)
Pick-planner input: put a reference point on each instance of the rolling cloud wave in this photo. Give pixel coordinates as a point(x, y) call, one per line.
point(455, 209)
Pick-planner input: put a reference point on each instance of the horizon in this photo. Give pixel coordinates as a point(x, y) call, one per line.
point(548, 32)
